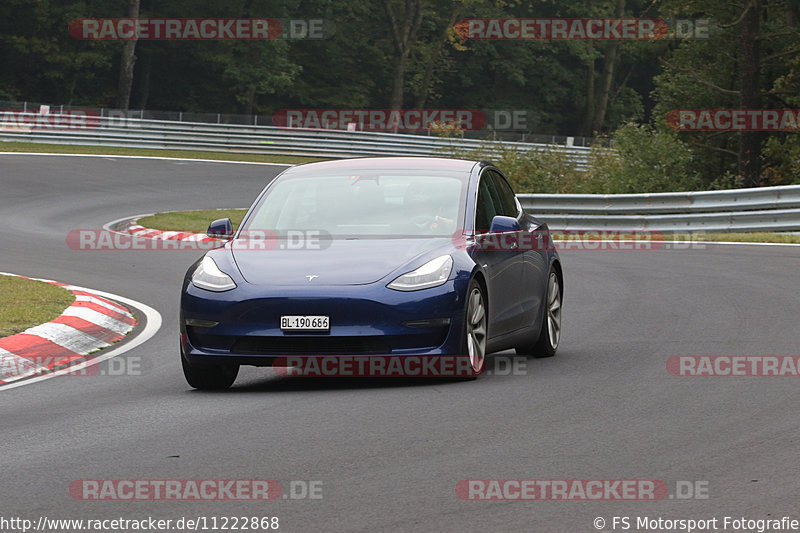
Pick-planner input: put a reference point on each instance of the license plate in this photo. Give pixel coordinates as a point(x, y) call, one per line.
point(305, 323)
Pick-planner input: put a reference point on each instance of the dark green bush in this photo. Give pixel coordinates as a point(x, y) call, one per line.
point(642, 160)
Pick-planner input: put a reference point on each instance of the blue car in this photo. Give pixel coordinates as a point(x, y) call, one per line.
point(375, 257)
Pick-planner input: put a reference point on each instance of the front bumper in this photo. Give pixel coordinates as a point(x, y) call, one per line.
point(364, 320)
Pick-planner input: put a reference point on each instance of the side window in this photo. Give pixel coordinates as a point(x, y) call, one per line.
point(485, 209)
point(505, 198)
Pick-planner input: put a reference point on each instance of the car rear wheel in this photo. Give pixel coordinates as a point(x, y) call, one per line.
point(475, 325)
point(209, 377)
point(550, 333)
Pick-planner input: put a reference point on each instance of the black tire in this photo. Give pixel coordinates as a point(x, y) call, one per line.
point(475, 334)
point(550, 332)
point(209, 377)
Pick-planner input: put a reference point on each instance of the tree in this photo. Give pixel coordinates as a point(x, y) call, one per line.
point(41, 62)
point(740, 65)
point(127, 62)
point(404, 34)
point(750, 89)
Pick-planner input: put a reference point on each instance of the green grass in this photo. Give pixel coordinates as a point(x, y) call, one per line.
point(734, 237)
point(194, 221)
point(197, 222)
point(146, 152)
point(26, 303)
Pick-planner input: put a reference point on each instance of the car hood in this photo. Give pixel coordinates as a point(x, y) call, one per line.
point(339, 262)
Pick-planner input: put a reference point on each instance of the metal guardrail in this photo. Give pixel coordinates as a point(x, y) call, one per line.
point(758, 209)
point(512, 135)
point(268, 140)
point(762, 209)
point(672, 202)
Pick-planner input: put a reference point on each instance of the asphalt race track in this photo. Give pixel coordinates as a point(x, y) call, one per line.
point(389, 453)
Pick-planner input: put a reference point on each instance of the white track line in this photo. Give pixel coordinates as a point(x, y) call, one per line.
point(156, 158)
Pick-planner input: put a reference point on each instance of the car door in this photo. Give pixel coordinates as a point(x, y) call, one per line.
point(535, 265)
point(499, 256)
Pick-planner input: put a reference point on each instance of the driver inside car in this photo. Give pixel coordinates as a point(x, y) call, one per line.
point(423, 208)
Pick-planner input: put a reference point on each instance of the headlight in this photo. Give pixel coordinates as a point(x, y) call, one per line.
point(208, 276)
point(432, 274)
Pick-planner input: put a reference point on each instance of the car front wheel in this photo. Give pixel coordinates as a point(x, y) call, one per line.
point(209, 377)
point(475, 327)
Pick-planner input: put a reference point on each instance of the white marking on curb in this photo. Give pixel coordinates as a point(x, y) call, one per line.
point(96, 317)
point(110, 305)
point(70, 338)
point(107, 226)
point(14, 367)
point(103, 303)
point(139, 231)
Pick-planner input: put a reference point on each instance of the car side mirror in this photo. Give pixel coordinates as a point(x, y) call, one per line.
point(503, 224)
point(220, 229)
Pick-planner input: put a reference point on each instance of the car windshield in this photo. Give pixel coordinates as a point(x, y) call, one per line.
point(391, 204)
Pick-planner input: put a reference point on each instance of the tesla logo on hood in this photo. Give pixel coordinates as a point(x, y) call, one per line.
point(311, 276)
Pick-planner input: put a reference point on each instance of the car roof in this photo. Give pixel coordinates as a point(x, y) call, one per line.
point(392, 163)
